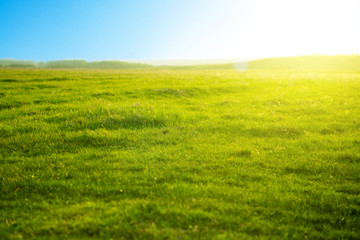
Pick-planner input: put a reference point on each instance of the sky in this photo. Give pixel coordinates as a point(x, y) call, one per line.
point(44, 30)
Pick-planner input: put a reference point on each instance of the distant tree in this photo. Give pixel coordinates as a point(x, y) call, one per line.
point(66, 64)
point(16, 63)
point(41, 64)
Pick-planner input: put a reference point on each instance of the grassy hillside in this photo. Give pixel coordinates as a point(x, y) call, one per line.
point(309, 63)
point(162, 154)
point(325, 63)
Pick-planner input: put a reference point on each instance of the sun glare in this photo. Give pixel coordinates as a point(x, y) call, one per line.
point(187, 29)
point(288, 28)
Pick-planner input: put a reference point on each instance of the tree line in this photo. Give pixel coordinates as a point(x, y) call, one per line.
point(13, 63)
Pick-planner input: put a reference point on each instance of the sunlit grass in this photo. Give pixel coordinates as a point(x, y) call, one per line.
point(179, 154)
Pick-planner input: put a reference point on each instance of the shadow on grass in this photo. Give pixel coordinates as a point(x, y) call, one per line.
point(114, 123)
point(10, 81)
point(349, 158)
point(37, 145)
point(275, 132)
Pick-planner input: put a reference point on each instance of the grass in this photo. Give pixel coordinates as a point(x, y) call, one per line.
point(324, 63)
point(173, 154)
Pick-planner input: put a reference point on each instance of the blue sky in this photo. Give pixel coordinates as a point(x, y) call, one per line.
point(176, 29)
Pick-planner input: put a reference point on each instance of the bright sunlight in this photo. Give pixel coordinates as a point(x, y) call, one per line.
point(290, 28)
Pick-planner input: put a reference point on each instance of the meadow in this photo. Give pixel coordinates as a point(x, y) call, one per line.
point(179, 154)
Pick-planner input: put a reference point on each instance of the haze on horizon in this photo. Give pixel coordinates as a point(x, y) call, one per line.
point(187, 29)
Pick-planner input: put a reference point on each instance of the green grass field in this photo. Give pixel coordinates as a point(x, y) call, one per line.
point(176, 154)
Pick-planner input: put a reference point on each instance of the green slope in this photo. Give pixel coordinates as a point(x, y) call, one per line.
point(164, 154)
point(286, 63)
point(344, 63)
point(308, 63)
